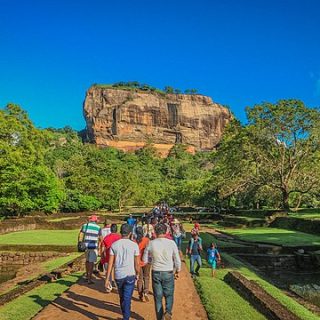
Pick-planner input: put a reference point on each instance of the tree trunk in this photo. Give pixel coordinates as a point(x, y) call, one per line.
point(285, 199)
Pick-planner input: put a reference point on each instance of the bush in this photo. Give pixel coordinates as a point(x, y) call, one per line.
point(79, 202)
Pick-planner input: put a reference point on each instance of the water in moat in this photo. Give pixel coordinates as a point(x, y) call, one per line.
point(304, 284)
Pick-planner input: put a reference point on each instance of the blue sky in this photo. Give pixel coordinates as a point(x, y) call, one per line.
point(238, 52)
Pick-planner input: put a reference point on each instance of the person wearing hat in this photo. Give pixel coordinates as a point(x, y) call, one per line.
point(90, 233)
point(124, 256)
point(177, 230)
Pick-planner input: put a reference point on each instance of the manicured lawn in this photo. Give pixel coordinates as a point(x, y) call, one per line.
point(41, 237)
point(219, 299)
point(309, 216)
point(276, 236)
point(63, 219)
point(58, 262)
point(27, 306)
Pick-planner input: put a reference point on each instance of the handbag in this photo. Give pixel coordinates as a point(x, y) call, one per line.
point(82, 244)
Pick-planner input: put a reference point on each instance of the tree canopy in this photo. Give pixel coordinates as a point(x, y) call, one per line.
point(272, 161)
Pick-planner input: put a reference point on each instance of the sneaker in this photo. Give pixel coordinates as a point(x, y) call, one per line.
point(109, 289)
point(197, 274)
point(146, 297)
point(167, 316)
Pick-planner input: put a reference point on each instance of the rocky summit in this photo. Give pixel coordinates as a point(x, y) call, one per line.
point(128, 119)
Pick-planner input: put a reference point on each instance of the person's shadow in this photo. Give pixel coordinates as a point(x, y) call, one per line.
point(80, 304)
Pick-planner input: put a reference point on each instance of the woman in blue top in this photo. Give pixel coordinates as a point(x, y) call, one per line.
point(212, 256)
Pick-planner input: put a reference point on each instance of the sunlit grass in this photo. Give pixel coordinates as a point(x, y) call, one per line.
point(41, 237)
point(28, 305)
point(276, 236)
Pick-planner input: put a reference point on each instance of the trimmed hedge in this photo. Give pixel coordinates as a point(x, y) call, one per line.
point(297, 224)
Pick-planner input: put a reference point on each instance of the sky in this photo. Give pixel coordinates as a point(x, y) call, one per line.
point(238, 52)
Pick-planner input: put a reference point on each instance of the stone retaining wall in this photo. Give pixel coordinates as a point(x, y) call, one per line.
point(14, 227)
point(25, 258)
point(268, 262)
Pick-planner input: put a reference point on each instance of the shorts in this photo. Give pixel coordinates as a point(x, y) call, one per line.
point(213, 263)
point(91, 255)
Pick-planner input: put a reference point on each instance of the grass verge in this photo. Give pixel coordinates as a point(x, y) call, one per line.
point(275, 236)
point(27, 306)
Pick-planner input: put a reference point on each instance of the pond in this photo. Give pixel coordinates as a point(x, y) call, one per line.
point(305, 284)
point(7, 272)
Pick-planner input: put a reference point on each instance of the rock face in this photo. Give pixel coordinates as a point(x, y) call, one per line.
point(128, 119)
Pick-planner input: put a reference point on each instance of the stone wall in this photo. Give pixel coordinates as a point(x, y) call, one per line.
point(13, 226)
point(268, 262)
point(25, 258)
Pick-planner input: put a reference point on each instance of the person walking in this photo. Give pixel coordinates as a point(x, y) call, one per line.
point(194, 250)
point(213, 256)
point(164, 256)
point(124, 256)
point(106, 229)
point(90, 233)
point(177, 233)
point(105, 250)
point(131, 220)
point(148, 230)
point(144, 275)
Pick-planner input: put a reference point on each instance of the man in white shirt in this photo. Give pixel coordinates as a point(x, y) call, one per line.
point(164, 257)
point(124, 256)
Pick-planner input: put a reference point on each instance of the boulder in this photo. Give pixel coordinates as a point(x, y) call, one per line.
point(129, 119)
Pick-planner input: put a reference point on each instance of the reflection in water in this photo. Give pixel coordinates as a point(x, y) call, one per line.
point(305, 284)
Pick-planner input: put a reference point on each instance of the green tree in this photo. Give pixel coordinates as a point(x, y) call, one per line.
point(26, 183)
point(278, 149)
point(168, 89)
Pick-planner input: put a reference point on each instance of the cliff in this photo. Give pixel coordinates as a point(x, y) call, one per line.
point(128, 119)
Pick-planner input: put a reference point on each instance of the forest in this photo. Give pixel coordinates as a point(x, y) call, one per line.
point(272, 161)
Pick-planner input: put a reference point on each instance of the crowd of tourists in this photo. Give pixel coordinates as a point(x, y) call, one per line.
point(146, 247)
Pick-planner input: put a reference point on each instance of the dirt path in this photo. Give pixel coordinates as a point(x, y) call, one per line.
point(82, 301)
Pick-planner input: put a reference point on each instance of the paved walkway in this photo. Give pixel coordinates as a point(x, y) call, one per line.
point(83, 301)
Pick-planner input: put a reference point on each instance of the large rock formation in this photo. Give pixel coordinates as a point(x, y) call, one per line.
point(128, 119)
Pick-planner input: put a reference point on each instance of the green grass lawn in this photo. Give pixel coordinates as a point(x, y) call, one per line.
point(60, 261)
point(223, 303)
point(276, 236)
point(309, 216)
point(64, 219)
point(27, 306)
point(41, 237)
point(219, 299)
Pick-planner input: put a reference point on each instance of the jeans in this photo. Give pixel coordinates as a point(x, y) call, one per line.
point(178, 241)
point(163, 286)
point(193, 259)
point(125, 289)
point(143, 281)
